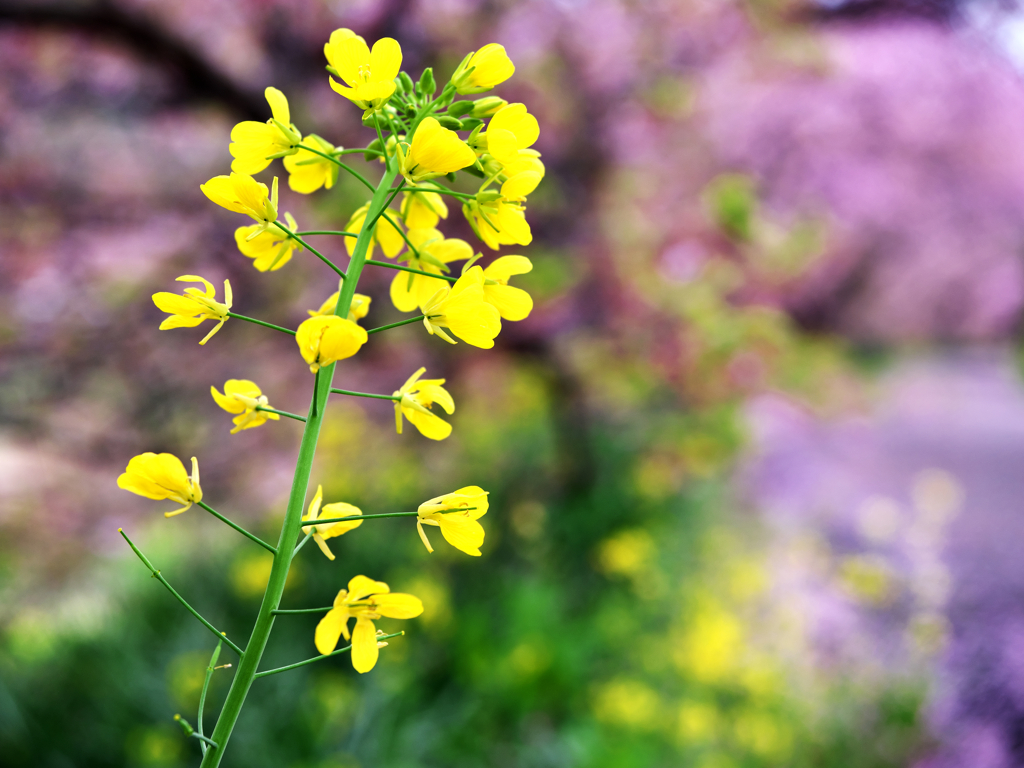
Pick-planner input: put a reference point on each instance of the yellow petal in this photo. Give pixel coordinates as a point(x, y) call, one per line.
point(329, 630)
point(463, 533)
point(229, 404)
point(348, 54)
point(428, 424)
point(364, 645)
point(278, 106)
point(398, 605)
point(385, 60)
point(360, 587)
point(504, 267)
point(512, 303)
point(515, 118)
point(520, 185)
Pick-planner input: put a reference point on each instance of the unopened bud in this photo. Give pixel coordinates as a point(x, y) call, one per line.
point(487, 106)
point(460, 108)
point(450, 122)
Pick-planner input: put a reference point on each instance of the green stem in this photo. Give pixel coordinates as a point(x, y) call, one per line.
point(314, 251)
point(238, 528)
point(305, 610)
point(302, 543)
point(202, 694)
point(356, 151)
point(440, 191)
point(395, 325)
point(260, 322)
point(364, 394)
point(291, 527)
point(399, 267)
point(204, 740)
point(336, 161)
point(320, 658)
point(159, 577)
point(330, 232)
point(405, 237)
point(387, 514)
point(281, 413)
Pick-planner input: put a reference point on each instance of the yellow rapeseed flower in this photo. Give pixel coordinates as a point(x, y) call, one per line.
point(369, 75)
point(409, 290)
point(417, 396)
point(384, 232)
point(323, 532)
point(162, 476)
point(365, 600)
point(456, 514)
point(423, 210)
point(434, 151)
point(463, 310)
point(308, 171)
point(511, 303)
point(482, 70)
point(194, 306)
point(271, 247)
point(243, 194)
point(511, 130)
point(357, 311)
point(254, 145)
point(498, 218)
point(243, 397)
point(325, 339)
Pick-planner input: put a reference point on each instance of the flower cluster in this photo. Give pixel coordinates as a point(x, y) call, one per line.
point(422, 140)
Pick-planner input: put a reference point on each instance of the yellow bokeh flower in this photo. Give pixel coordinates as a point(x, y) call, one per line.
point(162, 476)
point(330, 530)
point(511, 303)
point(368, 75)
point(357, 311)
point(511, 130)
point(482, 70)
point(308, 171)
point(417, 396)
point(194, 306)
point(243, 194)
point(243, 397)
point(456, 514)
point(409, 290)
point(423, 210)
point(254, 145)
point(325, 339)
point(498, 218)
point(384, 232)
point(270, 248)
point(365, 600)
point(463, 310)
point(435, 151)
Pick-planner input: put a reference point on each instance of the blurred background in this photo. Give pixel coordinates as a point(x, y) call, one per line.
point(754, 459)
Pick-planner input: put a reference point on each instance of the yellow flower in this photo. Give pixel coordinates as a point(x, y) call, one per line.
point(369, 75)
point(463, 310)
point(243, 397)
point(329, 531)
point(511, 303)
point(365, 600)
point(417, 396)
point(270, 247)
point(498, 218)
point(434, 151)
point(423, 210)
point(482, 70)
point(384, 232)
point(243, 194)
point(307, 171)
point(525, 160)
point(324, 340)
point(511, 130)
point(409, 290)
point(195, 306)
point(162, 476)
point(459, 528)
point(254, 145)
point(357, 311)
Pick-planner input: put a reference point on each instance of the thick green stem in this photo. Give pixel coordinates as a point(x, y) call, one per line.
point(206, 685)
point(292, 525)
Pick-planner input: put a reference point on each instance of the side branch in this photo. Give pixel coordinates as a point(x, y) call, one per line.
point(238, 528)
point(202, 695)
point(311, 249)
point(260, 322)
point(364, 394)
point(387, 514)
point(346, 649)
point(281, 413)
point(159, 577)
point(399, 267)
point(395, 325)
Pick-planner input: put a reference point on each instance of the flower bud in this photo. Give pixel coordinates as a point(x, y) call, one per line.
point(487, 106)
